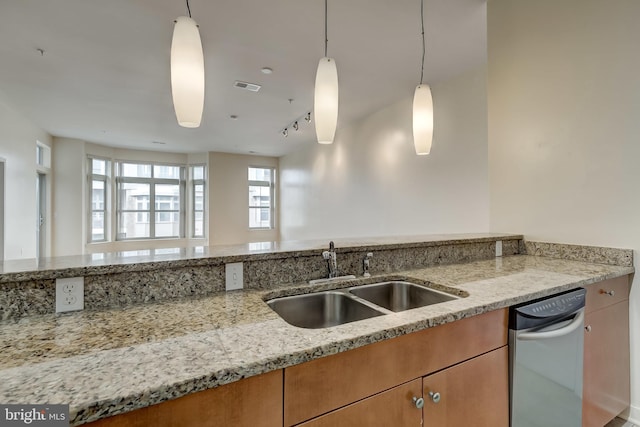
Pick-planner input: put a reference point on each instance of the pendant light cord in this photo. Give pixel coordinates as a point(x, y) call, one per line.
point(189, 8)
point(423, 43)
point(326, 40)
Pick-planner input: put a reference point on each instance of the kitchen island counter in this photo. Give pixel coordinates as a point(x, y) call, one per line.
point(105, 362)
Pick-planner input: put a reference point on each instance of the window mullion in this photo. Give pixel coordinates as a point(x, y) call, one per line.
point(152, 211)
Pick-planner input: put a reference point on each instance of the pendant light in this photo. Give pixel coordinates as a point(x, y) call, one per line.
point(187, 72)
point(325, 99)
point(422, 107)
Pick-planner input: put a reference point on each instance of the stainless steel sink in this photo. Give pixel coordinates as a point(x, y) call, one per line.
point(321, 310)
point(400, 296)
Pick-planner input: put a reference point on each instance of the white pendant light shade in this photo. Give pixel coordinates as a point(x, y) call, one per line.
point(325, 100)
point(187, 72)
point(422, 119)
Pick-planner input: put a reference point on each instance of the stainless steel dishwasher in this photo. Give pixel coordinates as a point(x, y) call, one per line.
point(545, 360)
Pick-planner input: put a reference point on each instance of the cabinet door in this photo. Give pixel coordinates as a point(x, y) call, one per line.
point(472, 393)
point(393, 407)
point(606, 364)
point(252, 402)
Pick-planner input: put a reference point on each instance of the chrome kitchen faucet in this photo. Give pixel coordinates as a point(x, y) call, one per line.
point(332, 260)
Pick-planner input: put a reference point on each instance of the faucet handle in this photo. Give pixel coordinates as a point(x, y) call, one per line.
point(365, 264)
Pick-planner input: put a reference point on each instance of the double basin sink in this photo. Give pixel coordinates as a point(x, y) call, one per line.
point(336, 307)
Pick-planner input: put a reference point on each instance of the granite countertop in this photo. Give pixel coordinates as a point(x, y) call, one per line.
point(140, 260)
point(111, 361)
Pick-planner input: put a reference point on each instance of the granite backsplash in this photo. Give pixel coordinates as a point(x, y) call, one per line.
point(28, 293)
point(108, 286)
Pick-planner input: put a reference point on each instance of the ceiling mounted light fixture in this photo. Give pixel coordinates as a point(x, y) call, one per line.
point(325, 99)
point(187, 72)
point(422, 107)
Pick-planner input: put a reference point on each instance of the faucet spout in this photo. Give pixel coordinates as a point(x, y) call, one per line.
point(332, 260)
point(332, 265)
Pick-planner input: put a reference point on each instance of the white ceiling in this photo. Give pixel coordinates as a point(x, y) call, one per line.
point(104, 76)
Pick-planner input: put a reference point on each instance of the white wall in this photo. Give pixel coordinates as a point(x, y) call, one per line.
point(2, 209)
point(370, 182)
point(229, 199)
point(18, 138)
point(69, 196)
point(564, 127)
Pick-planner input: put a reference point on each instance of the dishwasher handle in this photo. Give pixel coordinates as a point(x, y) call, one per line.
point(576, 323)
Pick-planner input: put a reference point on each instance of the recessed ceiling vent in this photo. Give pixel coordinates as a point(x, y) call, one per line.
point(247, 86)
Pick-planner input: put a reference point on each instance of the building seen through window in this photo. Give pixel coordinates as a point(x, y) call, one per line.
point(98, 182)
point(150, 201)
point(261, 203)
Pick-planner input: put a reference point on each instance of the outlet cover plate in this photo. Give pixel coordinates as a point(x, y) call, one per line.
point(233, 275)
point(69, 294)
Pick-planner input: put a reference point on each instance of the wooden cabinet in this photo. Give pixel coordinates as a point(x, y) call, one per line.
point(326, 384)
point(394, 407)
point(472, 393)
point(606, 352)
point(255, 401)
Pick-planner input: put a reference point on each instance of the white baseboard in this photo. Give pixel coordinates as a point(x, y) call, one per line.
point(632, 415)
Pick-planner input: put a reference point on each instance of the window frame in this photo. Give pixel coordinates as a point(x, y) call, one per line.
point(106, 185)
point(152, 210)
point(272, 202)
point(194, 210)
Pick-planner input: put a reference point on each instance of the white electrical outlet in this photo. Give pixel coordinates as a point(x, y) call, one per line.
point(69, 294)
point(234, 279)
point(499, 248)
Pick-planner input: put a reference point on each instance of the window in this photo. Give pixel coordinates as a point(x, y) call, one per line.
point(150, 201)
point(261, 189)
point(43, 156)
point(197, 197)
point(98, 184)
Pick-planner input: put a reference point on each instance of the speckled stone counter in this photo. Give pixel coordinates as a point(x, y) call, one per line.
point(113, 280)
point(115, 360)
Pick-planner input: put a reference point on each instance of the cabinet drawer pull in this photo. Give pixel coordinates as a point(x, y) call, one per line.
point(418, 401)
point(435, 397)
point(587, 328)
point(610, 293)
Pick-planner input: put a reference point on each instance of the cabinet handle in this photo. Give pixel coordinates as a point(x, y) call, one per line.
point(587, 328)
point(435, 397)
point(418, 401)
point(610, 293)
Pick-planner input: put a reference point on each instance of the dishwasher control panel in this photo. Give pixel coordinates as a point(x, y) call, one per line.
point(555, 306)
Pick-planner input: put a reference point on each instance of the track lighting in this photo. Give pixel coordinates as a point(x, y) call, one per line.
point(295, 125)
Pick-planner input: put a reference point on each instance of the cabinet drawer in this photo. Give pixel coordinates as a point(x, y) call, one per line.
point(606, 293)
point(393, 407)
point(322, 385)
